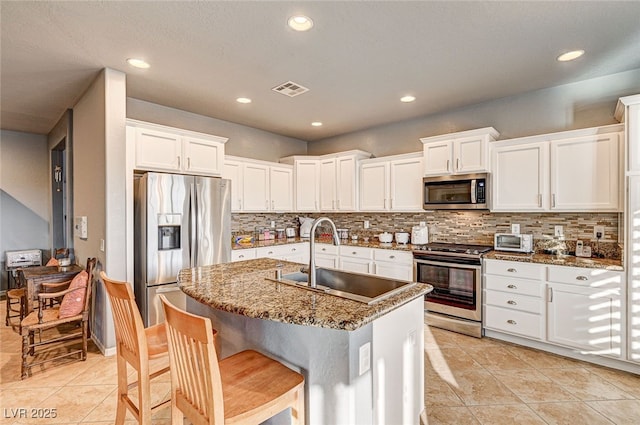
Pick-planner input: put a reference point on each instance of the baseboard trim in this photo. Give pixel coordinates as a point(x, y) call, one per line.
point(107, 352)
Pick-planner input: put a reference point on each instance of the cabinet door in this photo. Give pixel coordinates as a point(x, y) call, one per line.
point(232, 170)
point(328, 185)
point(519, 178)
point(281, 188)
point(347, 191)
point(307, 184)
point(585, 318)
point(374, 189)
point(394, 270)
point(406, 184)
point(158, 150)
point(255, 187)
point(437, 158)
point(470, 155)
point(585, 173)
point(633, 137)
point(203, 157)
point(327, 261)
point(356, 265)
point(243, 254)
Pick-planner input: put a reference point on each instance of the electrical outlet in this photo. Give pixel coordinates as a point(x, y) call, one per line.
point(273, 224)
point(596, 230)
point(558, 231)
point(365, 358)
point(366, 224)
point(515, 229)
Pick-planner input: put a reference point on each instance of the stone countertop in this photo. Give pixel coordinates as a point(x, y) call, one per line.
point(564, 260)
point(346, 242)
point(242, 288)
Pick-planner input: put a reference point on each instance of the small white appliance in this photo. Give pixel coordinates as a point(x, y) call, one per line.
point(291, 232)
point(305, 226)
point(28, 258)
point(402, 237)
point(420, 235)
point(513, 242)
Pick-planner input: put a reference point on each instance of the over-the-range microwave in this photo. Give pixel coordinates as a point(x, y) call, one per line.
point(459, 192)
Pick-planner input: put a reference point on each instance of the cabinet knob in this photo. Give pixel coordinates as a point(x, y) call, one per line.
point(354, 253)
point(324, 249)
point(512, 286)
point(392, 256)
point(188, 163)
point(512, 302)
point(512, 270)
point(178, 161)
point(512, 322)
point(270, 252)
point(582, 277)
point(240, 256)
point(293, 249)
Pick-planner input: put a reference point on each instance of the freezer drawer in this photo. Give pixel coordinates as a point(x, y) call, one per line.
point(172, 292)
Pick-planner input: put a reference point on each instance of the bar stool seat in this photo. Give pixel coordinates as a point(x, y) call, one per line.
point(16, 303)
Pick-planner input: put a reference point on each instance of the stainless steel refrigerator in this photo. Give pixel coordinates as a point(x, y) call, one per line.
point(180, 222)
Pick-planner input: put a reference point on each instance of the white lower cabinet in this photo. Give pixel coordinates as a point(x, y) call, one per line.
point(326, 255)
point(584, 309)
point(572, 307)
point(393, 264)
point(356, 259)
point(513, 298)
point(243, 254)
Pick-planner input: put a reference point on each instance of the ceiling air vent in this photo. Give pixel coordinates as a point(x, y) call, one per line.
point(290, 89)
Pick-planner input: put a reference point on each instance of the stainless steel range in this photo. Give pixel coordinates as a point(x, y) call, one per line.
point(455, 271)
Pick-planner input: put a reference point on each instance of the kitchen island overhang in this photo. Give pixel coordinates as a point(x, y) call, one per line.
point(362, 363)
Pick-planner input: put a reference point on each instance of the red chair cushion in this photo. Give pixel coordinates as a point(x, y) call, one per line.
point(73, 302)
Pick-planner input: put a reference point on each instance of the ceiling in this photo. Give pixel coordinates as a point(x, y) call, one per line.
point(358, 59)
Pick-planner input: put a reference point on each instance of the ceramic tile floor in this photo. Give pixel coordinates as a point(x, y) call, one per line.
point(467, 381)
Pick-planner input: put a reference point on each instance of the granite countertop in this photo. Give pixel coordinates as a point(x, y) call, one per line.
point(563, 260)
point(242, 288)
point(346, 242)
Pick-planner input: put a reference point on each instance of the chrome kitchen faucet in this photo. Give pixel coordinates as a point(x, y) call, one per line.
point(312, 253)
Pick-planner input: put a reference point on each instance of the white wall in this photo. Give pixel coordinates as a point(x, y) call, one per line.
point(243, 141)
point(584, 104)
point(24, 193)
point(99, 187)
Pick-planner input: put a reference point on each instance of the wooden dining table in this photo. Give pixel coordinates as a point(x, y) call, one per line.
point(35, 276)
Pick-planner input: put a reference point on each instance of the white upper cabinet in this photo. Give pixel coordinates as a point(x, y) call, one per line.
point(307, 184)
point(570, 171)
point(392, 183)
point(458, 153)
point(519, 177)
point(585, 173)
point(374, 187)
point(162, 148)
point(327, 182)
point(259, 186)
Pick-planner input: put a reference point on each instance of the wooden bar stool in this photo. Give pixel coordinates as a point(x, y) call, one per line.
point(246, 388)
point(135, 346)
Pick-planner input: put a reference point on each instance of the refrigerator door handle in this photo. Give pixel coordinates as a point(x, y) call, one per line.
point(192, 226)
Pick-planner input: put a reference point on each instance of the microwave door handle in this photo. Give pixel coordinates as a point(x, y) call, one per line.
point(473, 191)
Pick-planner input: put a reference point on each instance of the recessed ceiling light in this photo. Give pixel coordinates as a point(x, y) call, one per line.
point(316, 124)
point(138, 63)
point(300, 23)
point(569, 56)
point(407, 99)
point(243, 100)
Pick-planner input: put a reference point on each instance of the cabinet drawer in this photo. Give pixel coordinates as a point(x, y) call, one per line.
point(356, 252)
point(272, 251)
point(516, 322)
point(323, 248)
point(243, 254)
point(514, 301)
point(585, 277)
point(515, 269)
point(393, 255)
point(513, 285)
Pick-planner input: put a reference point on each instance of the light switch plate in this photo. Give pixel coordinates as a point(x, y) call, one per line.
point(558, 231)
point(515, 229)
point(80, 227)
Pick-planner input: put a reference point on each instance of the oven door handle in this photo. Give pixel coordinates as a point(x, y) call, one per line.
point(450, 265)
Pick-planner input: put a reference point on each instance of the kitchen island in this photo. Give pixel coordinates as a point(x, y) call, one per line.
point(362, 364)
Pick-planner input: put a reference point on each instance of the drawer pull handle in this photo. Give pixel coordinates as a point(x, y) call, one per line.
point(293, 249)
point(512, 286)
point(582, 278)
point(240, 256)
point(324, 249)
point(392, 256)
point(270, 252)
point(354, 252)
point(512, 322)
point(512, 270)
point(512, 302)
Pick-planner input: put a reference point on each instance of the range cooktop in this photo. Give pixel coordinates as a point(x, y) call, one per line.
point(452, 249)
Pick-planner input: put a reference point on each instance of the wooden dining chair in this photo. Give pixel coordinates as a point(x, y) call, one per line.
point(70, 320)
point(135, 346)
point(246, 388)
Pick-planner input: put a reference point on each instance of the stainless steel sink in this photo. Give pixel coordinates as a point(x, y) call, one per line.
point(354, 286)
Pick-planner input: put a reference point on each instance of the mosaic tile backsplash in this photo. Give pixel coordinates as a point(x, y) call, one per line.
point(471, 227)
